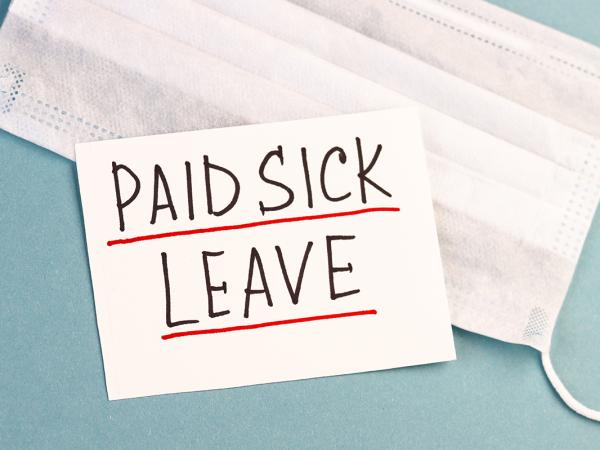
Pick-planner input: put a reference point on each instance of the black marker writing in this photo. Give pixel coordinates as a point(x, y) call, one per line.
point(159, 175)
point(261, 172)
point(342, 158)
point(190, 192)
point(255, 259)
point(208, 166)
point(170, 323)
point(210, 288)
point(331, 269)
point(120, 204)
point(294, 292)
point(362, 173)
point(309, 195)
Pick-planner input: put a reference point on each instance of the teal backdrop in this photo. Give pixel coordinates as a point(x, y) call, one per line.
point(52, 392)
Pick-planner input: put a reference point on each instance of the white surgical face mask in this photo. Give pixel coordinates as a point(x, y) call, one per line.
point(508, 114)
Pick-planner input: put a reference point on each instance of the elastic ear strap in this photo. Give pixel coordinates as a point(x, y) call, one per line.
point(563, 393)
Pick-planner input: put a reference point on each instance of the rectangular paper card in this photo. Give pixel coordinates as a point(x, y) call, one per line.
point(263, 253)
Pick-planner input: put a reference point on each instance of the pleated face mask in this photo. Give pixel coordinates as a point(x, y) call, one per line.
point(508, 112)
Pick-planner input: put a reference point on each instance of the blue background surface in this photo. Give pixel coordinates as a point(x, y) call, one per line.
point(52, 392)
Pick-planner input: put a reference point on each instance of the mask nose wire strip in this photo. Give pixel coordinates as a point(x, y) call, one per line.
point(563, 392)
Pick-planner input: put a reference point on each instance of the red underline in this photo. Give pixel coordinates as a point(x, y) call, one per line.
point(240, 226)
point(269, 324)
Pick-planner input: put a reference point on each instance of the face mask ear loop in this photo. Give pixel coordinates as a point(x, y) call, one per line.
point(564, 394)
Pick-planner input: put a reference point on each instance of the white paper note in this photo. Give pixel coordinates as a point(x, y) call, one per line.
point(263, 253)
